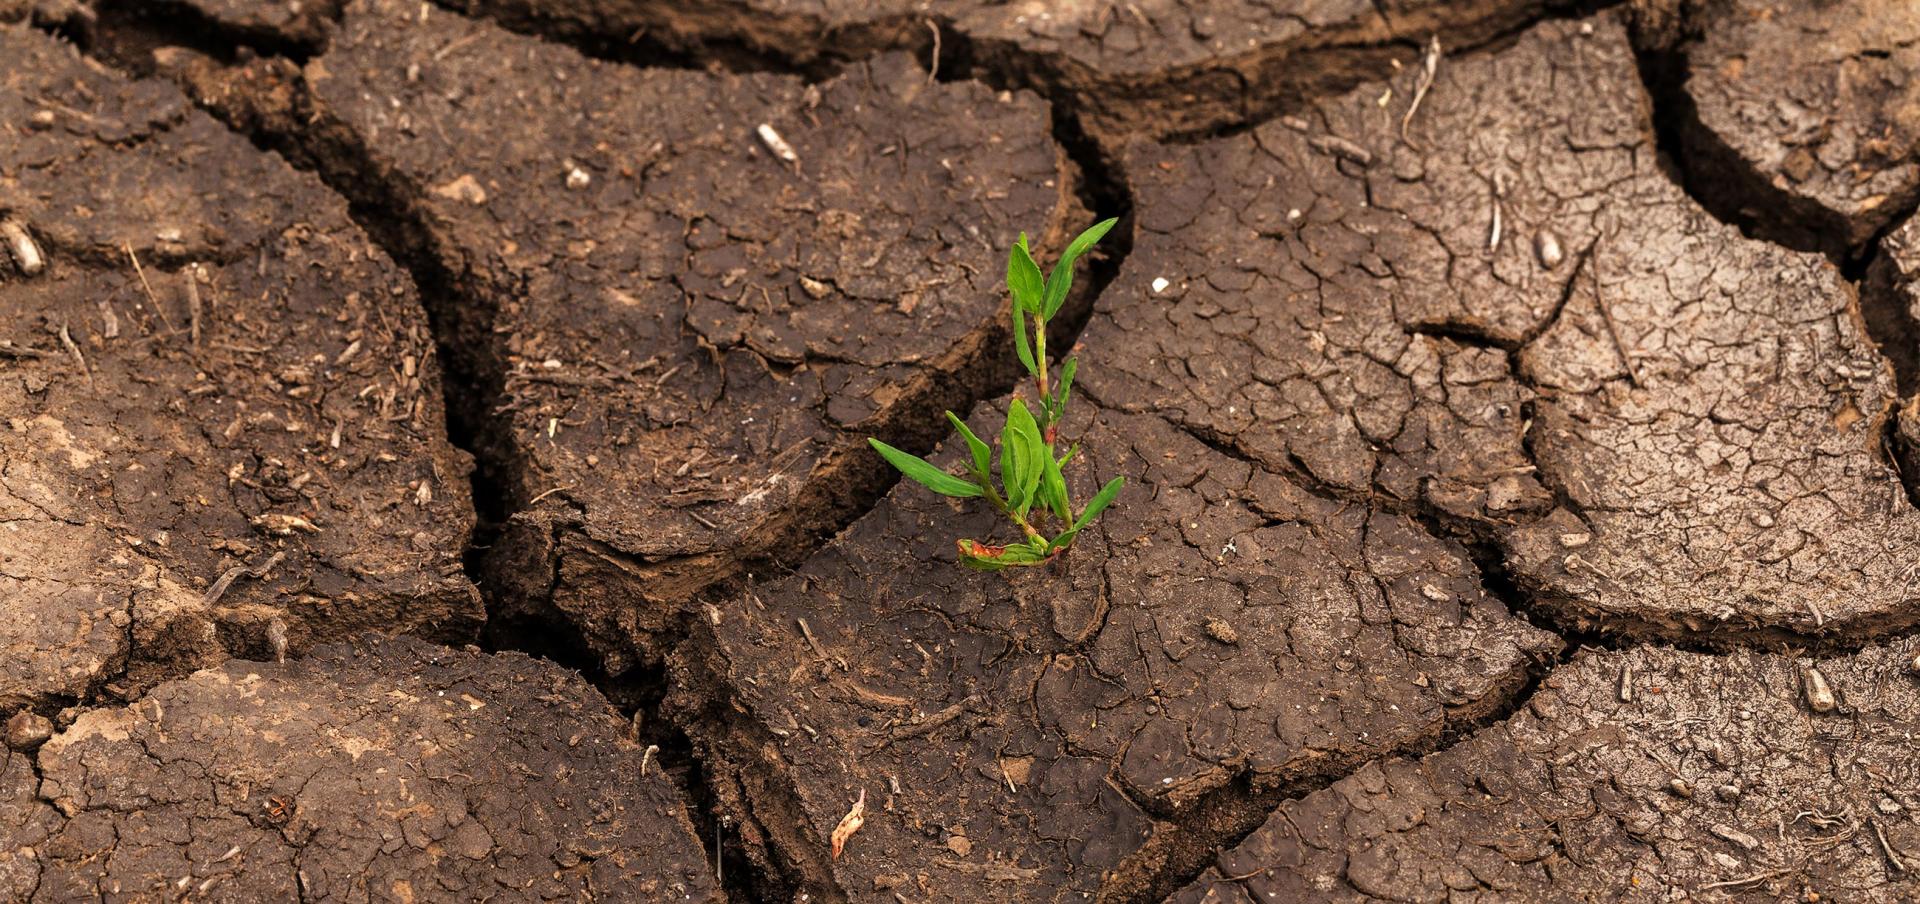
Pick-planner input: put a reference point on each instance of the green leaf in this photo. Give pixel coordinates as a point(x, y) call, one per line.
point(1020, 342)
point(1062, 277)
point(1066, 387)
point(1023, 278)
point(1053, 489)
point(1100, 502)
point(1071, 452)
point(981, 557)
point(982, 456)
point(925, 474)
point(1063, 541)
point(1022, 454)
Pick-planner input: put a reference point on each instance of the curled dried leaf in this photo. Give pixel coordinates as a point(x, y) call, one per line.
point(850, 823)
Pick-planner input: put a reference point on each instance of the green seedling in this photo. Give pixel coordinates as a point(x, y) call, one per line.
point(1030, 489)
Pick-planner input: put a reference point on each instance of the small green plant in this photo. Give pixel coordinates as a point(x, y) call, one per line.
point(1031, 487)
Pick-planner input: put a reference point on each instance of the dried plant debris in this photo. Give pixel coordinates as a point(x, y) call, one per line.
point(1031, 736)
point(1807, 116)
point(695, 338)
point(395, 769)
point(222, 405)
point(1719, 780)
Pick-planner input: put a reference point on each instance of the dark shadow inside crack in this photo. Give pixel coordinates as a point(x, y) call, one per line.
point(1710, 171)
point(654, 47)
point(125, 33)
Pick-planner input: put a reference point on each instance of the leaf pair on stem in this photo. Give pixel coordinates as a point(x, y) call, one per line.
point(1031, 486)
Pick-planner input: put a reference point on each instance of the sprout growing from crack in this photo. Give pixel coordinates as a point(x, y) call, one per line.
point(1031, 489)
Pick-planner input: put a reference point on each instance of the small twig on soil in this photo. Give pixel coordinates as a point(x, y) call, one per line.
point(9, 350)
point(814, 642)
point(1886, 847)
point(151, 299)
point(226, 579)
point(66, 339)
point(930, 723)
point(1613, 331)
point(193, 303)
point(561, 488)
point(1428, 65)
point(1754, 879)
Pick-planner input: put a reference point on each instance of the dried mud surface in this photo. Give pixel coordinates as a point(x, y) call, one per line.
point(1806, 116)
point(1226, 629)
point(1518, 403)
point(1649, 774)
point(685, 378)
point(240, 436)
point(392, 770)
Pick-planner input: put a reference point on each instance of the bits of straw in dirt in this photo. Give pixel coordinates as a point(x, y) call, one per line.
point(1031, 488)
point(850, 823)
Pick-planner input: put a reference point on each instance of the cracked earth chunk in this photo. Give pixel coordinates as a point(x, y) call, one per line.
point(1715, 418)
point(1327, 297)
point(1715, 781)
point(246, 428)
point(396, 770)
point(696, 336)
point(1018, 738)
point(1152, 66)
point(1810, 113)
point(299, 24)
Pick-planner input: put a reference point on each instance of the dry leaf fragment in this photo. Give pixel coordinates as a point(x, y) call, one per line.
point(850, 823)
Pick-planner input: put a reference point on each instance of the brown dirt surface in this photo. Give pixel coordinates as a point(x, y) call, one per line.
point(1696, 481)
point(392, 770)
point(1157, 67)
point(1712, 416)
point(688, 376)
point(1520, 407)
point(1807, 114)
point(1645, 775)
point(1347, 316)
point(1043, 737)
point(243, 432)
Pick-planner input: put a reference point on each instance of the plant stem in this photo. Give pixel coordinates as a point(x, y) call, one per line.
point(1001, 504)
point(1040, 358)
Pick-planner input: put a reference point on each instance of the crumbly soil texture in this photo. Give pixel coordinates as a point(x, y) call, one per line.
point(433, 456)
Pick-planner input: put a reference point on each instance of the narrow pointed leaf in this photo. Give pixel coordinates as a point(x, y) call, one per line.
point(1063, 541)
point(1023, 278)
point(1020, 342)
point(1053, 489)
point(1066, 388)
point(1062, 277)
point(1100, 502)
point(920, 471)
point(982, 455)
